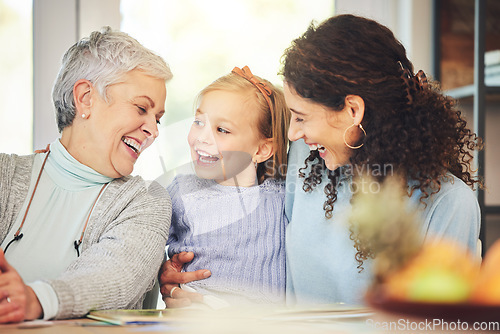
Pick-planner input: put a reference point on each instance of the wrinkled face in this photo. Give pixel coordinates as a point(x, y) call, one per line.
point(120, 129)
point(319, 127)
point(224, 137)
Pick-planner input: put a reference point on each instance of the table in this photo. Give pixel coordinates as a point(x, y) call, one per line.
point(237, 322)
point(220, 322)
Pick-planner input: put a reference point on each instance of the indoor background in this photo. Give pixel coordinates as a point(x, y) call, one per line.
point(204, 39)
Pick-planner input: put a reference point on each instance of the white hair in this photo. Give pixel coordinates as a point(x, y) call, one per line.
point(102, 58)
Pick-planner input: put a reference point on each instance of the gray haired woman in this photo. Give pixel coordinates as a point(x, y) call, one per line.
point(78, 232)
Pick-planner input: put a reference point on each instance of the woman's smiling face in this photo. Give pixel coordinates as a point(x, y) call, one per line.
point(319, 127)
point(116, 131)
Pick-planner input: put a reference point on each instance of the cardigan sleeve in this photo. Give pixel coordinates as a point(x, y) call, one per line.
point(122, 254)
point(15, 175)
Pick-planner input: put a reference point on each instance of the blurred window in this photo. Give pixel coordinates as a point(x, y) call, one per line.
point(203, 40)
point(16, 76)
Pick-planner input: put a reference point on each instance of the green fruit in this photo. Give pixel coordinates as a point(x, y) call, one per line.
point(439, 286)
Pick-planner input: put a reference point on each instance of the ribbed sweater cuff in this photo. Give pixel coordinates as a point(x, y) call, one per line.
point(66, 300)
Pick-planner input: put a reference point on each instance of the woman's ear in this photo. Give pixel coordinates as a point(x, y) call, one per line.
point(82, 97)
point(265, 151)
point(355, 107)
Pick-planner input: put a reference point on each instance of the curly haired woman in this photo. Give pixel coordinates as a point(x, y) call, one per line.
point(358, 107)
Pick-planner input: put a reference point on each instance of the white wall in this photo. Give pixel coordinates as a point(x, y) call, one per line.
point(95, 14)
point(58, 24)
point(410, 21)
point(54, 31)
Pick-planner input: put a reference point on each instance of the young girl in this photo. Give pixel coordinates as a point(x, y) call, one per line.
point(231, 214)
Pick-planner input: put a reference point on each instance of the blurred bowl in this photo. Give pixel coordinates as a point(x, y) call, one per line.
point(448, 311)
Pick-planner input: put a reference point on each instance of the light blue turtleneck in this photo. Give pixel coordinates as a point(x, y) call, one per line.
point(62, 201)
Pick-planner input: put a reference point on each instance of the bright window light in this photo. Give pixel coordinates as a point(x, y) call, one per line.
point(16, 73)
point(203, 40)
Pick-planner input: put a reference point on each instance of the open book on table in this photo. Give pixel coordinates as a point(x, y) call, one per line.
point(133, 317)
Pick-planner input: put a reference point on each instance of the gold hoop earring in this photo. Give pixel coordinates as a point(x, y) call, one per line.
point(345, 141)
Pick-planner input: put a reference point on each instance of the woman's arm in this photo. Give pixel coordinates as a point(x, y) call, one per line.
point(122, 251)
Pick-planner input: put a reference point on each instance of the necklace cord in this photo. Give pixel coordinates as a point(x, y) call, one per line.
point(32, 195)
point(18, 235)
point(79, 242)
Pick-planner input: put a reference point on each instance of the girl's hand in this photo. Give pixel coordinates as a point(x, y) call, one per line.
point(171, 276)
point(18, 301)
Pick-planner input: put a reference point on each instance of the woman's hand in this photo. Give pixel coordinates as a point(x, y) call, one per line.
point(171, 276)
point(18, 301)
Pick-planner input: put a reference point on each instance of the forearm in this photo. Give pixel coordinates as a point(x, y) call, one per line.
point(47, 298)
point(119, 281)
point(33, 306)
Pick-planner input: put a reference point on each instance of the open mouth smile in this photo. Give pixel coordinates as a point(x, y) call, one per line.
point(133, 144)
point(207, 158)
point(321, 149)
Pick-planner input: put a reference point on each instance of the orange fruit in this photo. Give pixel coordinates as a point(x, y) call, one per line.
point(442, 271)
point(487, 287)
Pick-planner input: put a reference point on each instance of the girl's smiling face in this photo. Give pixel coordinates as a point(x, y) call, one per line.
point(224, 137)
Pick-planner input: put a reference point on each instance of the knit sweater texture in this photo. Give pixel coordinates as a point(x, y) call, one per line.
point(123, 246)
point(236, 232)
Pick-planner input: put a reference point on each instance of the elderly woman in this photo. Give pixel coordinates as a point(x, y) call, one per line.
point(77, 232)
point(357, 106)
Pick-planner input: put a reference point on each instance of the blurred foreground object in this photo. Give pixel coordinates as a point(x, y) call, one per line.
point(442, 271)
point(487, 286)
point(386, 227)
point(406, 267)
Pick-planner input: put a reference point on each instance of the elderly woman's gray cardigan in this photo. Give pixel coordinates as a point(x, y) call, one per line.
point(123, 247)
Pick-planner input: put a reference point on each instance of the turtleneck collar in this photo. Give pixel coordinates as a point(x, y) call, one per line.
point(69, 173)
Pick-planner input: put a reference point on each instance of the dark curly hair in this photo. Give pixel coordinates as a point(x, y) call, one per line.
point(419, 132)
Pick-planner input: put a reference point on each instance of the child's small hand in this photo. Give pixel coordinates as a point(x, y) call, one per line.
point(171, 276)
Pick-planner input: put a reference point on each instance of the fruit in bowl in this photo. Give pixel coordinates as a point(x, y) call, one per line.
point(410, 269)
point(441, 272)
point(486, 289)
point(439, 286)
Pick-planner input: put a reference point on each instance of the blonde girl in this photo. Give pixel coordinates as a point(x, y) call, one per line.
point(231, 213)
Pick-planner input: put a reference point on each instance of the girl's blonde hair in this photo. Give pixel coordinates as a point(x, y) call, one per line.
point(273, 120)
